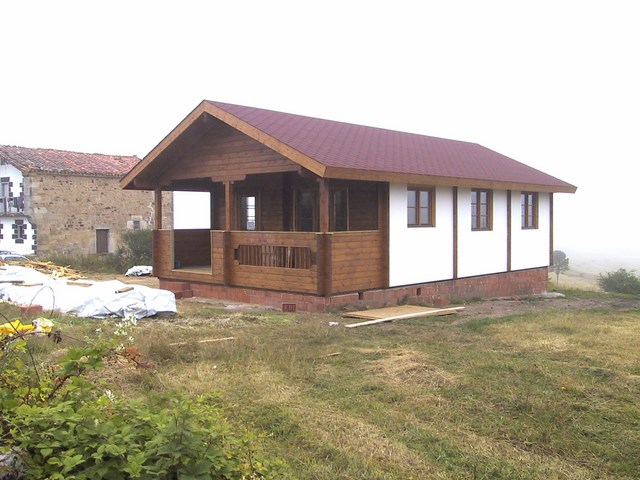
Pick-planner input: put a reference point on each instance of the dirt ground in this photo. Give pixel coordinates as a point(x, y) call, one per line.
point(495, 308)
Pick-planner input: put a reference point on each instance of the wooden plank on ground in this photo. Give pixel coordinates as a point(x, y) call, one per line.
point(389, 314)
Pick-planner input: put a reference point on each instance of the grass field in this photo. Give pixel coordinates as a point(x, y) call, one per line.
point(541, 395)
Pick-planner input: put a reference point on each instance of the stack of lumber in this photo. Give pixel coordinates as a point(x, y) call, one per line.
point(50, 269)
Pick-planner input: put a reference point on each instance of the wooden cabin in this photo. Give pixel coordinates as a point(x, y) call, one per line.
point(308, 214)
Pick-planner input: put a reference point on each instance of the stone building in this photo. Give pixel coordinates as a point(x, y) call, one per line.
point(54, 201)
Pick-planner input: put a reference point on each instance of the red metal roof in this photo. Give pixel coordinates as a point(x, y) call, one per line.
point(29, 160)
point(343, 145)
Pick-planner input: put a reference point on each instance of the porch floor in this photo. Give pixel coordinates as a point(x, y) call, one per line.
point(199, 269)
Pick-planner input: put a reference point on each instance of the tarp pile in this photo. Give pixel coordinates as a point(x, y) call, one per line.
point(26, 286)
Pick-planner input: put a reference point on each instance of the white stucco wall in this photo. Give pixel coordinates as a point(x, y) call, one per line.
point(482, 252)
point(12, 217)
point(530, 247)
point(420, 254)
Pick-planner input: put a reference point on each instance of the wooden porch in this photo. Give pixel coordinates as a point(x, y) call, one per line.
point(316, 263)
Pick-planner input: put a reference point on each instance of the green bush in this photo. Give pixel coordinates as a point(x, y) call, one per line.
point(136, 247)
point(168, 438)
point(621, 281)
point(65, 424)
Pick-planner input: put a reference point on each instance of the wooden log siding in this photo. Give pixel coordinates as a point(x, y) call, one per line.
point(228, 153)
point(191, 247)
point(162, 257)
point(356, 261)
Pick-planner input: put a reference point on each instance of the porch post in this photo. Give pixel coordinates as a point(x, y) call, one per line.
point(229, 211)
point(324, 205)
point(509, 227)
point(157, 211)
point(229, 205)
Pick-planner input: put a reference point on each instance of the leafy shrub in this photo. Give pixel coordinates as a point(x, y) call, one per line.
point(168, 438)
point(67, 425)
point(621, 281)
point(136, 247)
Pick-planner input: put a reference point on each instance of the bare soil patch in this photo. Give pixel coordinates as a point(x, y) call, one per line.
point(496, 308)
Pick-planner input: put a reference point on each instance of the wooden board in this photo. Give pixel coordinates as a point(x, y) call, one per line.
point(389, 314)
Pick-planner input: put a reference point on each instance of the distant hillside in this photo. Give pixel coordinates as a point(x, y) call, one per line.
point(585, 267)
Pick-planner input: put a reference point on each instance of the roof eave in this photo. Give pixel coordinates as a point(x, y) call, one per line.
point(431, 180)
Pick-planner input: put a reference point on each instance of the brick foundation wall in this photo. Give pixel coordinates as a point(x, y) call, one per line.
point(520, 283)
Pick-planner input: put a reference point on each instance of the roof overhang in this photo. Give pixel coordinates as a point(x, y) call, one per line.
point(145, 174)
point(433, 181)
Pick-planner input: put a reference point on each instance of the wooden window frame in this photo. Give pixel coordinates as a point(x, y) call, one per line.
point(241, 214)
point(476, 210)
point(529, 202)
point(332, 206)
point(431, 199)
point(315, 219)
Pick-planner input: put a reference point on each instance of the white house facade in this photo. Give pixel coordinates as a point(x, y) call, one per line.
point(17, 234)
point(450, 247)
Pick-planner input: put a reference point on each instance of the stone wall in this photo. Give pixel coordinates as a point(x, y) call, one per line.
point(67, 210)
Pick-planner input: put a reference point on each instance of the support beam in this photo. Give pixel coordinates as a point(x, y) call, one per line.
point(324, 204)
point(455, 232)
point(509, 225)
point(229, 205)
point(157, 209)
point(551, 229)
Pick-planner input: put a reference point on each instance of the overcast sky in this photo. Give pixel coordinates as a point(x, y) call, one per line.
point(554, 84)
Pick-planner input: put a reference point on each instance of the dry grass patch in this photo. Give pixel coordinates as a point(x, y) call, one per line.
point(411, 369)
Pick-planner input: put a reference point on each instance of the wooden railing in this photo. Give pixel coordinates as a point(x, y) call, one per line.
point(278, 256)
point(315, 263)
point(274, 260)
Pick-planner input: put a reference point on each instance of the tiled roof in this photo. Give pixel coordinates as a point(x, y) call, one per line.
point(30, 160)
point(355, 147)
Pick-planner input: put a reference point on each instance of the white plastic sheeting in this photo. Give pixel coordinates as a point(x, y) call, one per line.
point(139, 271)
point(26, 286)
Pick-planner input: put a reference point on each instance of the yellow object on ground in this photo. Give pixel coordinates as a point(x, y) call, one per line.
point(16, 327)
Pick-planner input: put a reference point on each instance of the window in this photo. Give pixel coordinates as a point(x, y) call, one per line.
point(481, 206)
point(248, 212)
point(420, 207)
point(340, 210)
point(529, 210)
point(307, 211)
point(136, 225)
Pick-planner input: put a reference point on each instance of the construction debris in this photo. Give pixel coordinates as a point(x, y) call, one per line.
point(16, 327)
point(204, 340)
point(50, 269)
point(390, 314)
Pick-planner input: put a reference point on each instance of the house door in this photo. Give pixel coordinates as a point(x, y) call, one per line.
point(102, 241)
